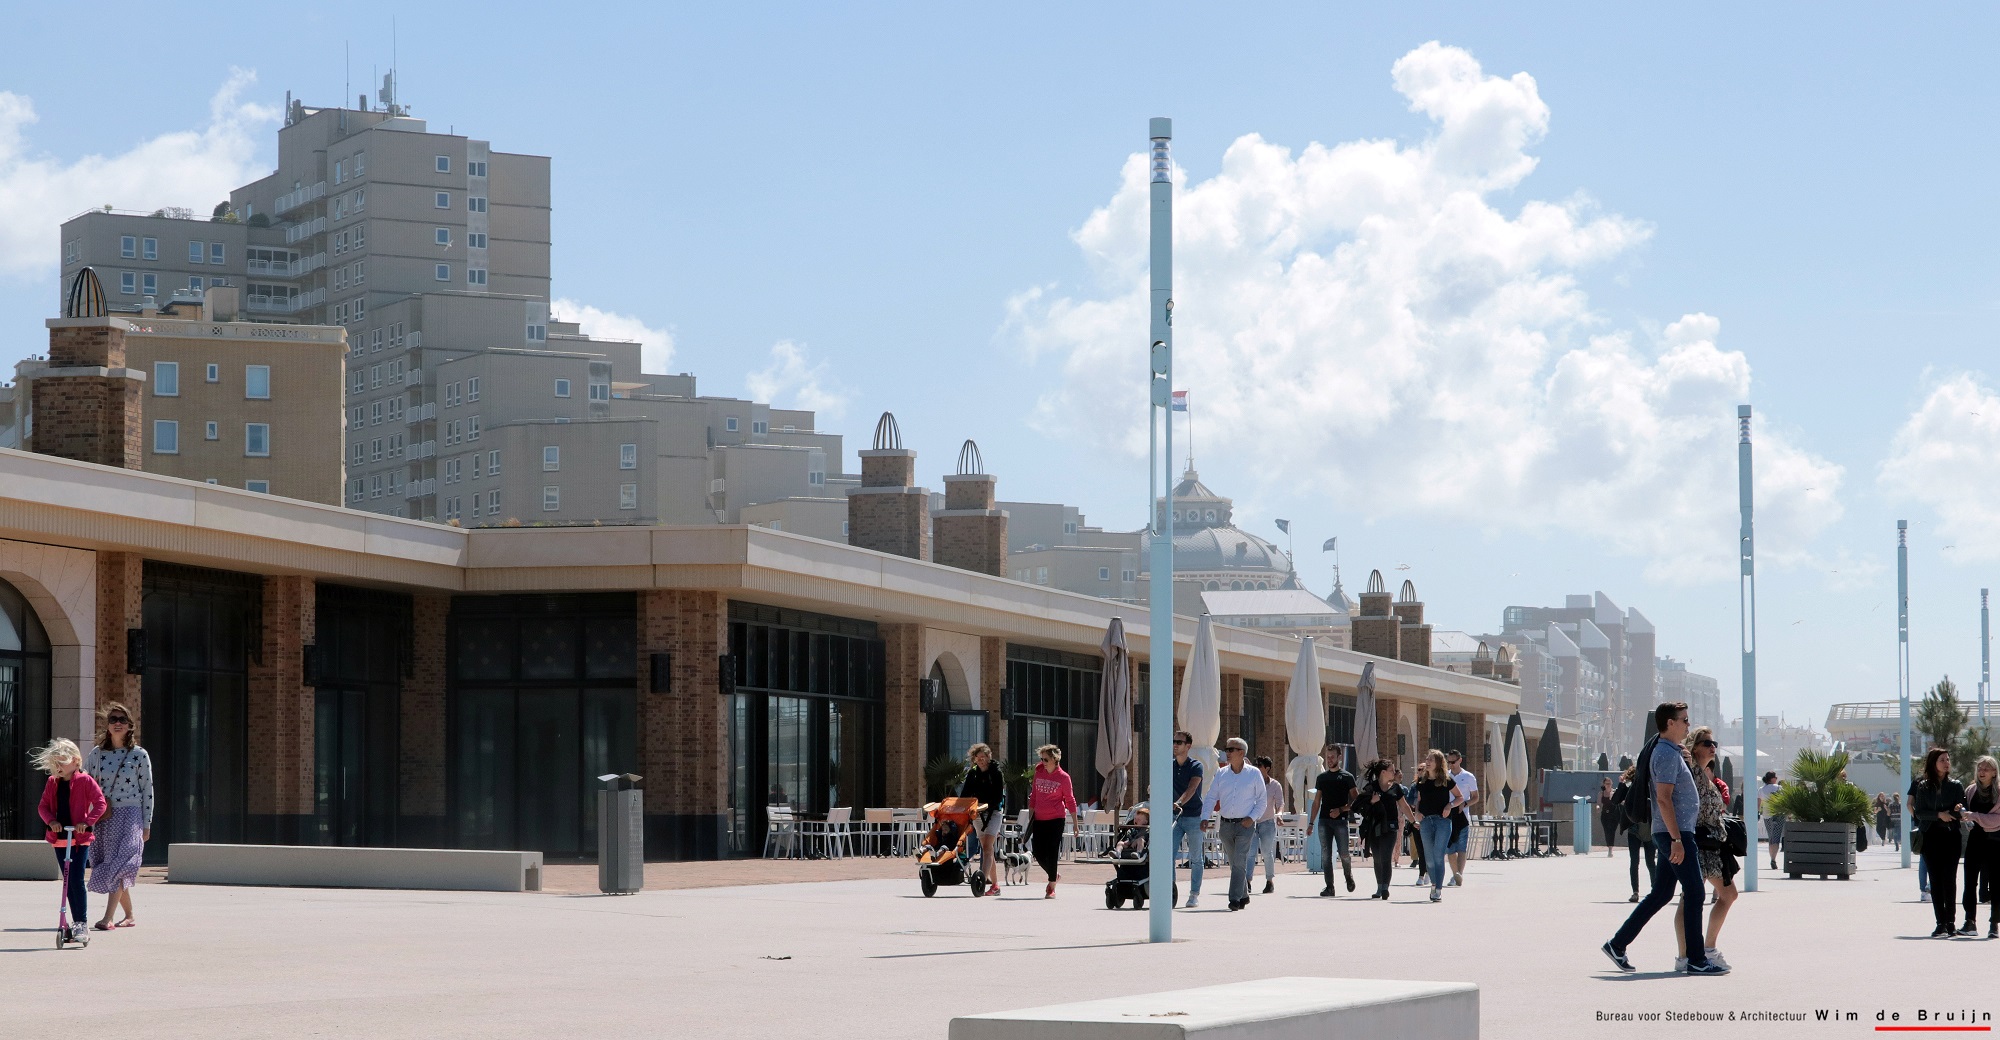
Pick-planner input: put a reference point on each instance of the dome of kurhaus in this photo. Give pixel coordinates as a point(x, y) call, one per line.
point(1210, 549)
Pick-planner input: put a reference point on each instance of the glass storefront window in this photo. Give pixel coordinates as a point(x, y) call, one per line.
point(24, 712)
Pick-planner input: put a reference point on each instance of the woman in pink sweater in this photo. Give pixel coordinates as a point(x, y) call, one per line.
point(1051, 800)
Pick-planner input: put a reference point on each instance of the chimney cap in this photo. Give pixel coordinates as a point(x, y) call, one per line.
point(970, 464)
point(888, 436)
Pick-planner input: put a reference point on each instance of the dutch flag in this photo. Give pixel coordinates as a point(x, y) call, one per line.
point(1180, 401)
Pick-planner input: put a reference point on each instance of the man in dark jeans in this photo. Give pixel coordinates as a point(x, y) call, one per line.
point(1333, 797)
point(1674, 808)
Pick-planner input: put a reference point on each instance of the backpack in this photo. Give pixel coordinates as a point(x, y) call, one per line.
point(1639, 802)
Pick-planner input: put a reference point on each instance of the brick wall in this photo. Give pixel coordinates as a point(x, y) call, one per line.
point(423, 719)
point(1277, 743)
point(120, 595)
point(89, 419)
point(682, 739)
point(1414, 644)
point(1232, 708)
point(890, 522)
point(1380, 636)
point(1387, 710)
point(993, 676)
point(280, 712)
point(974, 541)
point(1475, 757)
point(902, 723)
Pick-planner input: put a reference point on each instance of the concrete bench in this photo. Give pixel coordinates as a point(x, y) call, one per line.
point(1268, 1009)
point(30, 860)
point(325, 866)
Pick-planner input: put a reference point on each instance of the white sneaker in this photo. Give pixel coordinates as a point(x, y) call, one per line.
point(1437, 894)
point(1193, 901)
point(1715, 957)
point(1453, 883)
point(1680, 964)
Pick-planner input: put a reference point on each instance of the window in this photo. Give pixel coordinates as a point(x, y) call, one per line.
point(628, 496)
point(257, 438)
point(374, 450)
point(451, 395)
point(128, 283)
point(262, 487)
point(355, 490)
point(442, 235)
point(472, 390)
point(729, 424)
point(493, 503)
point(493, 463)
point(211, 430)
point(149, 284)
point(1128, 575)
point(628, 456)
point(562, 388)
point(375, 340)
point(213, 374)
point(452, 471)
point(395, 371)
point(600, 391)
point(359, 164)
point(360, 199)
point(375, 486)
point(475, 203)
point(72, 251)
point(395, 408)
point(1041, 575)
point(476, 457)
point(475, 239)
point(395, 445)
point(536, 333)
point(149, 249)
point(472, 428)
point(166, 437)
point(451, 507)
point(374, 377)
point(196, 253)
point(1103, 574)
point(339, 171)
point(444, 272)
point(551, 498)
point(475, 169)
point(340, 243)
point(356, 382)
point(215, 252)
point(128, 247)
point(475, 276)
point(843, 528)
point(357, 454)
point(759, 426)
point(444, 164)
point(375, 414)
point(451, 432)
point(551, 458)
point(166, 379)
point(443, 200)
point(257, 382)
point(194, 284)
point(357, 417)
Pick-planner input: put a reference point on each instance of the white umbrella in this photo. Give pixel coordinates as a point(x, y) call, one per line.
point(1201, 700)
point(1114, 717)
point(1365, 744)
point(1496, 767)
point(1305, 723)
point(1517, 762)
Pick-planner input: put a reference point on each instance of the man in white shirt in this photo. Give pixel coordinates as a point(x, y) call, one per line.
point(1461, 823)
point(1774, 827)
point(1267, 823)
point(1237, 797)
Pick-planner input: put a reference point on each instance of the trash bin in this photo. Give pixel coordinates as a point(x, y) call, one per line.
point(621, 835)
point(1579, 841)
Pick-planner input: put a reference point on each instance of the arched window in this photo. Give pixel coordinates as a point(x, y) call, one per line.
point(1212, 586)
point(1236, 586)
point(24, 711)
point(1209, 516)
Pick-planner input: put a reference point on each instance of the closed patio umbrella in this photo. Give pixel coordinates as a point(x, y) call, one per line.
point(1366, 747)
point(1603, 762)
point(1114, 718)
point(1517, 765)
point(1496, 769)
point(1201, 700)
point(1549, 753)
point(1305, 723)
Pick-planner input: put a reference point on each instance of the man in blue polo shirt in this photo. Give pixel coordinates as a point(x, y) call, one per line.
point(1679, 864)
point(1188, 814)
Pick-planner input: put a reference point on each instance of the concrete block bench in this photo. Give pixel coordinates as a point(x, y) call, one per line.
point(30, 860)
point(325, 866)
point(1268, 1009)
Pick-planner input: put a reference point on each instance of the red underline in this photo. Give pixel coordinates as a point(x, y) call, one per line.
point(1933, 1029)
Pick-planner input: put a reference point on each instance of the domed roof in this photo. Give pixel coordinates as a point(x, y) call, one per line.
point(1207, 541)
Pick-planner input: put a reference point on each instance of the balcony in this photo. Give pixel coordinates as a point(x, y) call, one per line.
point(269, 304)
point(424, 450)
point(294, 199)
point(420, 413)
point(301, 232)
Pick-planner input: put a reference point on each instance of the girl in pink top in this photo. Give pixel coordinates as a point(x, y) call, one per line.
point(1051, 800)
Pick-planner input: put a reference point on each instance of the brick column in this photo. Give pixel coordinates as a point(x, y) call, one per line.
point(1475, 757)
point(1278, 742)
point(1387, 710)
point(1232, 707)
point(1423, 734)
point(423, 823)
point(86, 402)
point(683, 741)
point(120, 590)
point(279, 716)
point(969, 533)
point(887, 513)
point(992, 677)
point(902, 723)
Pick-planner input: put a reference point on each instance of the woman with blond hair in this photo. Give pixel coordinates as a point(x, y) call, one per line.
point(984, 784)
point(1051, 801)
point(1437, 798)
point(125, 772)
point(1982, 847)
point(1718, 865)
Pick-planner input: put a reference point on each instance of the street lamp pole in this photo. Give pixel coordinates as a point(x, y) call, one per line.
point(1746, 601)
point(1160, 613)
point(1903, 664)
point(1985, 660)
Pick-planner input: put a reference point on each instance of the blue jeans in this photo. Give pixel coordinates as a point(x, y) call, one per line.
point(1187, 829)
point(1686, 874)
point(1435, 833)
point(79, 909)
point(1237, 842)
point(1267, 847)
point(1332, 837)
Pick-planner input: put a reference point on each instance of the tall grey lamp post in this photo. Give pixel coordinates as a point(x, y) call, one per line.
point(1903, 664)
point(1985, 660)
point(1160, 613)
point(1746, 601)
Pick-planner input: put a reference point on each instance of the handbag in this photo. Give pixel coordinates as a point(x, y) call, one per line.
point(1732, 838)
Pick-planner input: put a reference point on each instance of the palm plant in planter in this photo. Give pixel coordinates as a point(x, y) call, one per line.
point(1821, 810)
point(942, 775)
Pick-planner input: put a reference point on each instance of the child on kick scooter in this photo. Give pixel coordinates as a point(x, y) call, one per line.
point(71, 804)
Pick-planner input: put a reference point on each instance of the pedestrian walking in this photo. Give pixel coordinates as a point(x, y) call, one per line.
point(1051, 803)
point(1235, 798)
point(1634, 840)
point(1607, 815)
point(1461, 818)
point(1676, 804)
point(71, 805)
point(1333, 798)
point(1896, 824)
point(1939, 805)
point(125, 773)
point(1437, 798)
point(1919, 821)
point(1190, 815)
point(1718, 866)
point(1881, 817)
point(1982, 849)
point(1381, 809)
point(984, 784)
point(1267, 824)
point(1412, 835)
point(1774, 824)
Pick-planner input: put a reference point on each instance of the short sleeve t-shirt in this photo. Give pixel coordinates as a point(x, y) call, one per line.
point(1670, 768)
point(1183, 773)
point(1334, 787)
point(1764, 792)
point(1468, 785)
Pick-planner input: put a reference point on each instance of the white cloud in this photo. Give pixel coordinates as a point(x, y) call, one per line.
point(192, 168)
point(791, 380)
point(656, 346)
point(1367, 311)
point(1947, 457)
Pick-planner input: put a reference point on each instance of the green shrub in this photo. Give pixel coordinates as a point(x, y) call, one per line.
point(1817, 794)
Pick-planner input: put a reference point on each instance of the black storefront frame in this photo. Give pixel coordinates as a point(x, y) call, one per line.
point(1055, 695)
point(361, 655)
point(24, 720)
point(203, 628)
point(542, 714)
point(815, 671)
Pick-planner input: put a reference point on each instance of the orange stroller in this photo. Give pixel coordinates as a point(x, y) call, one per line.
point(941, 860)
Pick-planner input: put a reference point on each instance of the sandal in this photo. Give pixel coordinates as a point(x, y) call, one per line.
point(126, 923)
point(100, 927)
point(1049, 892)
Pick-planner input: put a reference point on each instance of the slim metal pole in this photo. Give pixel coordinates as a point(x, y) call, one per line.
point(1985, 660)
point(1160, 613)
point(1903, 664)
point(1746, 600)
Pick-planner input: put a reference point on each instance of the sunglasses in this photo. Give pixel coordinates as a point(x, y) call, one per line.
point(1705, 743)
point(1182, 743)
point(118, 720)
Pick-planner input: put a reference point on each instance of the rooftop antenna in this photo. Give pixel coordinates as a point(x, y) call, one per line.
point(346, 69)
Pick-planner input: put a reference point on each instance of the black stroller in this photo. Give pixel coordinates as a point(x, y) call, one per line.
point(1129, 883)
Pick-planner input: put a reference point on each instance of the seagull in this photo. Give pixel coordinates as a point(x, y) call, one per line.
point(1402, 566)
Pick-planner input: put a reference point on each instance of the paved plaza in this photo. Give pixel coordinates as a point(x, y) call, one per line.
point(874, 959)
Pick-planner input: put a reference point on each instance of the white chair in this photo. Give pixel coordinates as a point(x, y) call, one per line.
point(910, 829)
point(836, 839)
point(781, 833)
point(877, 829)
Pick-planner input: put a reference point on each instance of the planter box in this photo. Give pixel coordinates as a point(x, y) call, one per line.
point(1825, 849)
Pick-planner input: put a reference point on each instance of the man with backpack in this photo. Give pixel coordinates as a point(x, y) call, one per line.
point(1664, 771)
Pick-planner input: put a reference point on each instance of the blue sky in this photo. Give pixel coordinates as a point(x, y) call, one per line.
point(1493, 329)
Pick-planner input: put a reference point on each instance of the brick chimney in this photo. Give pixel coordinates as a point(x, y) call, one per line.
point(86, 403)
point(886, 513)
point(1376, 629)
point(969, 533)
point(1416, 636)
